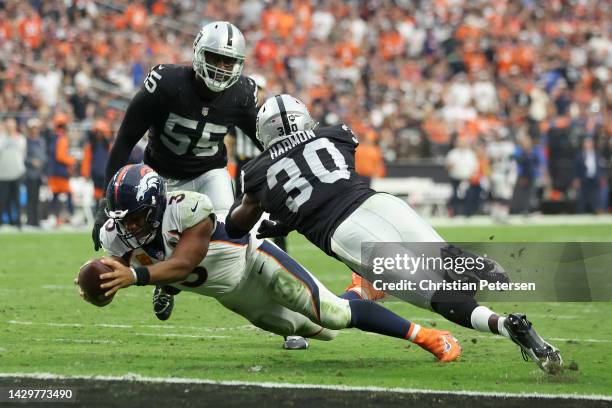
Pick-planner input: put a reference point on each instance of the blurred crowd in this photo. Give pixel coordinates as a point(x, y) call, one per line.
point(513, 96)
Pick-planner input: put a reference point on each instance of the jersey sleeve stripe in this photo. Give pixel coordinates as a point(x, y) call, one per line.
point(283, 113)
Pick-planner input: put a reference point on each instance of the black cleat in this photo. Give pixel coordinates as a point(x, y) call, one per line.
point(163, 303)
point(491, 272)
point(533, 347)
point(295, 343)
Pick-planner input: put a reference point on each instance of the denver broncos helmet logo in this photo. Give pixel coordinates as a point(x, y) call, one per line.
point(148, 181)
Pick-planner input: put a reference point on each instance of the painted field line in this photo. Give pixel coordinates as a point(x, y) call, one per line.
point(245, 327)
point(191, 336)
point(273, 385)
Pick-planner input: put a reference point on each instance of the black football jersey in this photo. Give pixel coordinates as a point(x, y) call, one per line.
point(185, 132)
point(308, 181)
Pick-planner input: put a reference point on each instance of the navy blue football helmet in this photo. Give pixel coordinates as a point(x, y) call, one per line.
point(136, 200)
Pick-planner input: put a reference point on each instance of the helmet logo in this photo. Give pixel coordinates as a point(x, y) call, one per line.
point(146, 183)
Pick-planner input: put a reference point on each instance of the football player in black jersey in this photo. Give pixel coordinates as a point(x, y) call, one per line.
point(305, 178)
point(187, 111)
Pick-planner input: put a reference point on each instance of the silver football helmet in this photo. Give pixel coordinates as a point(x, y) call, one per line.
point(280, 116)
point(218, 55)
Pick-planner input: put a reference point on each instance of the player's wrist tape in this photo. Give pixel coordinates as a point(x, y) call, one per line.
point(142, 275)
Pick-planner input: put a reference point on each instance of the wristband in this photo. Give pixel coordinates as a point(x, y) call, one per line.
point(142, 275)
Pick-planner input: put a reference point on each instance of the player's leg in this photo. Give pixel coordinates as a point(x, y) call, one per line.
point(384, 218)
point(251, 299)
point(292, 286)
point(217, 185)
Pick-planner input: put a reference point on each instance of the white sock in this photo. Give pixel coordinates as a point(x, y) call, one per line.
point(480, 321)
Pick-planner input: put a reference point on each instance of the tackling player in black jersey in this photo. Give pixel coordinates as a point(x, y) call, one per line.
point(306, 179)
point(187, 111)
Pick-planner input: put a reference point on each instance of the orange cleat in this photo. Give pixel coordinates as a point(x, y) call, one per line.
point(440, 343)
point(364, 289)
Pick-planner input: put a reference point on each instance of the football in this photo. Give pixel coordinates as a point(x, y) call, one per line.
point(89, 281)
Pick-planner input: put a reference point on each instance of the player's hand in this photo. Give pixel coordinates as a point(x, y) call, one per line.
point(270, 229)
point(81, 293)
point(120, 277)
point(98, 223)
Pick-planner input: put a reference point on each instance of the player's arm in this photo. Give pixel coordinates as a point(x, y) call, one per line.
point(243, 216)
point(189, 252)
point(76, 278)
point(248, 121)
point(137, 120)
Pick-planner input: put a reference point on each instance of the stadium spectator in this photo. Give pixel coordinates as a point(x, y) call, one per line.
point(61, 167)
point(368, 157)
point(461, 163)
point(590, 179)
point(12, 169)
point(36, 161)
point(524, 197)
point(409, 70)
point(95, 155)
point(479, 182)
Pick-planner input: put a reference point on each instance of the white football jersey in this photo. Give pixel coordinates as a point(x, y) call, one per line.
point(219, 272)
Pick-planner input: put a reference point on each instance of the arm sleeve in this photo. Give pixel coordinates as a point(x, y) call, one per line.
point(248, 124)
point(137, 120)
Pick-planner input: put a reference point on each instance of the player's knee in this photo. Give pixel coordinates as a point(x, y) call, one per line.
point(335, 315)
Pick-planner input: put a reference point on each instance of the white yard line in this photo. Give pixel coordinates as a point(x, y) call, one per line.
point(245, 327)
point(275, 385)
point(191, 336)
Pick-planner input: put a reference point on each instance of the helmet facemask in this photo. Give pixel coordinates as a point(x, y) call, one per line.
point(137, 228)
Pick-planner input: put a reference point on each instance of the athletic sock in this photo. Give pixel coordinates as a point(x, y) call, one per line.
point(485, 320)
point(462, 309)
point(351, 295)
point(371, 317)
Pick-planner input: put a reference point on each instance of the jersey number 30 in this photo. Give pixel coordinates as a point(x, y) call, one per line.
point(296, 179)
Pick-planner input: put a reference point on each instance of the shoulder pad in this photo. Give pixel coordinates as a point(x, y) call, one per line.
point(164, 77)
point(184, 209)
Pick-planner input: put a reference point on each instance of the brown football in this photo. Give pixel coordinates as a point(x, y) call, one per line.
point(89, 281)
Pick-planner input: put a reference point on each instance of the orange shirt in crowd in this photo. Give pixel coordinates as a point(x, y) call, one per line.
point(391, 44)
point(30, 30)
point(265, 51)
point(346, 52)
point(159, 8)
point(136, 16)
point(369, 160)
point(525, 57)
point(436, 130)
point(6, 30)
point(286, 22)
point(270, 20)
point(505, 58)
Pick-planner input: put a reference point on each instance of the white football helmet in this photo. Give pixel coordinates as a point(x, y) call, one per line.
point(217, 42)
point(280, 116)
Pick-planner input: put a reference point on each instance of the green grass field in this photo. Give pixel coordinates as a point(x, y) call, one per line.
point(46, 327)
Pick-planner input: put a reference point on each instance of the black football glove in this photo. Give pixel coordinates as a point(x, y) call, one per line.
point(98, 223)
point(269, 229)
